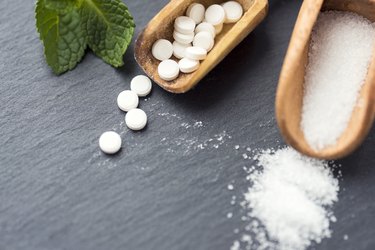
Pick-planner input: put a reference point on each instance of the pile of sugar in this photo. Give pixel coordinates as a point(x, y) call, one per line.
point(339, 58)
point(290, 201)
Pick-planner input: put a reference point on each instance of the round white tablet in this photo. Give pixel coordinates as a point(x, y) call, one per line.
point(179, 49)
point(218, 28)
point(188, 65)
point(233, 11)
point(196, 12)
point(136, 119)
point(183, 38)
point(204, 40)
point(206, 27)
point(184, 25)
point(127, 100)
point(162, 49)
point(168, 70)
point(196, 53)
point(141, 85)
point(110, 142)
point(215, 14)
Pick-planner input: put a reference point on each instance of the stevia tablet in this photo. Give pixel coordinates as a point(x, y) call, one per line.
point(203, 40)
point(179, 49)
point(141, 85)
point(127, 100)
point(196, 53)
point(215, 14)
point(110, 142)
point(136, 119)
point(206, 27)
point(183, 38)
point(196, 12)
point(184, 25)
point(188, 65)
point(233, 11)
point(168, 70)
point(162, 49)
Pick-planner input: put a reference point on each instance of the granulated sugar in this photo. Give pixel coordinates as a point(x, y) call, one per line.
point(289, 202)
point(339, 57)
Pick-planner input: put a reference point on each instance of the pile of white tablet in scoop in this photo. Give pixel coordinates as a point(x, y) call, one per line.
point(194, 36)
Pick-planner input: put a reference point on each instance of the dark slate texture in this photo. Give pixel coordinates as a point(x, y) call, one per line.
point(167, 189)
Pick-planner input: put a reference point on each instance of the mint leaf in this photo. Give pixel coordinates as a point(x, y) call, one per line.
point(62, 36)
point(62, 6)
point(109, 28)
point(66, 27)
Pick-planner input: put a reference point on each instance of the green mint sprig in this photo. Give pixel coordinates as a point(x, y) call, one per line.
point(68, 27)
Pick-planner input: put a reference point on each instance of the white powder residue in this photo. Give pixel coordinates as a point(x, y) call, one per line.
point(190, 138)
point(339, 58)
point(290, 201)
point(168, 116)
point(190, 142)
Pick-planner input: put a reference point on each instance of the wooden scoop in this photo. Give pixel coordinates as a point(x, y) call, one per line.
point(161, 27)
point(290, 90)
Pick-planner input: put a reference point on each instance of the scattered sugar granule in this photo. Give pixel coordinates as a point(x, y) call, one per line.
point(333, 218)
point(235, 246)
point(233, 200)
point(291, 197)
point(244, 218)
point(198, 124)
point(339, 57)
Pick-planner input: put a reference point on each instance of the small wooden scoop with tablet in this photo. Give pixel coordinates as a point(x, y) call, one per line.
point(162, 26)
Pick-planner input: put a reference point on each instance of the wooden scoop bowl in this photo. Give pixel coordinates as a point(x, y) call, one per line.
point(161, 26)
point(290, 90)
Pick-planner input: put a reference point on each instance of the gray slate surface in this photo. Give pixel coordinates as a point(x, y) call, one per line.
point(57, 191)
